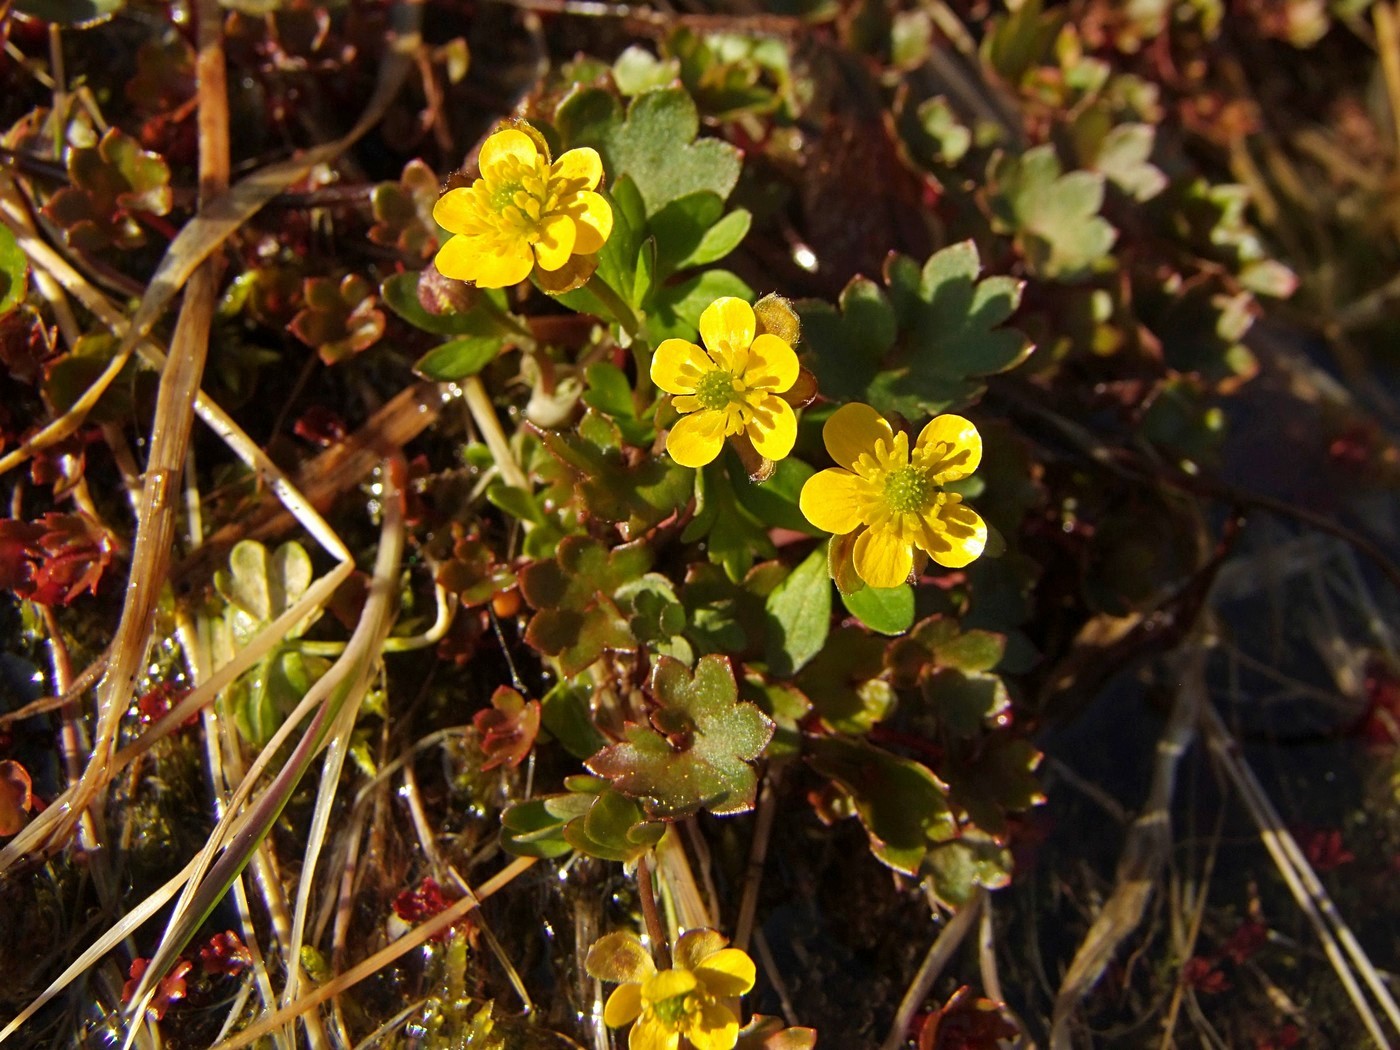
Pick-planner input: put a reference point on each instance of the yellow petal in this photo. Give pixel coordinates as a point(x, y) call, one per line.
point(716, 1029)
point(581, 168)
point(964, 536)
point(653, 1034)
point(772, 364)
point(624, 1005)
point(556, 242)
point(773, 430)
point(852, 430)
point(695, 946)
point(696, 439)
point(455, 209)
point(677, 366)
point(727, 972)
point(668, 984)
point(831, 500)
point(503, 145)
point(593, 216)
point(964, 446)
point(882, 560)
point(727, 322)
point(497, 264)
point(459, 258)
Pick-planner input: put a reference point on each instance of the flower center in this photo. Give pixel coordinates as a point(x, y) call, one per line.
point(715, 389)
point(671, 1011)
point(909, 490)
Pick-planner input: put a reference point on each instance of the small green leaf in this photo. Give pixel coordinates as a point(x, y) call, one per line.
point(922, 346)
point(956, 869)
point(566, 716)
point(459, 358)
point(775, 501)
point(14, 272)
point(578, 618)
point(888, 610)
point(676, 308)
point(654, 143)
point(696, 753)
point(995, 777)
point(902, 805)
point(965, 702)
point(799, 616)
point(400, 294)
point(1053, 216)
point(734, 537)
point(845, 684)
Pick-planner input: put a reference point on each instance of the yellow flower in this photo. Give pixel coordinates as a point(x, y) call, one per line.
point(894, 495)
point(523, 211)
point(689, 1001)
point(729, 387)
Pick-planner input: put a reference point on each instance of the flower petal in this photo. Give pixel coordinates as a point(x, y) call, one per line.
point(593, 215)
point(624, 1005)
point(727, 972)
point(459, 258)
point(504, 144)
point(964, 447)
point(581, 167)
point(668, 984)
point(772, 364)
point(677, 366)
point(773, 430)
point(882, 559)
point(556, 242)
point(455, 210)
point(620, 958)
point(696, 439)
point(653, 1034)
point(852, 430)
point(963, 537)
point(491, 263)
point(716, 1029)
point(831, 500)
point(727, 321)
point(695, 946)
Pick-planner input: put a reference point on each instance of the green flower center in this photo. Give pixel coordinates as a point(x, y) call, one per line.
point(909, 490)
point(715, 390)
point(671, 1010)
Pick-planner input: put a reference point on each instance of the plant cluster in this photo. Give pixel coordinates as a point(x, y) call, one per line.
point(798, 413)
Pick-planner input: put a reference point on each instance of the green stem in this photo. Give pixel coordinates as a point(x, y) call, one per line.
point(660, 947)
point(616, 305)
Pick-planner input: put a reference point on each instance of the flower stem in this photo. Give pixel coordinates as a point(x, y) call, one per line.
point(660, 947)
point(615, 304)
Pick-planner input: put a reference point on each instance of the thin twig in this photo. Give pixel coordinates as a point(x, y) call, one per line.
point(949, 940)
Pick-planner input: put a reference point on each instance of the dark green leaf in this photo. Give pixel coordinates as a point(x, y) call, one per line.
point(696, 753)
point(654, 143)
point(888, 610)
point(956, 869)
point(799, 616)
point(902, 805)
point(459, 358)
point(14, 272)
point(676, 308)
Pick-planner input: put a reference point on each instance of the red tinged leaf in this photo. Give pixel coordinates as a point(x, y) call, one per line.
point(508, 728)
point(170, 990)
point(16, 797)
point(224, 955)
point(55, 559)
point(1200, 973)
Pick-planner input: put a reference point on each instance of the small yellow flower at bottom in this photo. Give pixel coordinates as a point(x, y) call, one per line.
point(524, 211)
point(731, 386)
point(690, 1000)
point(894, 495)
